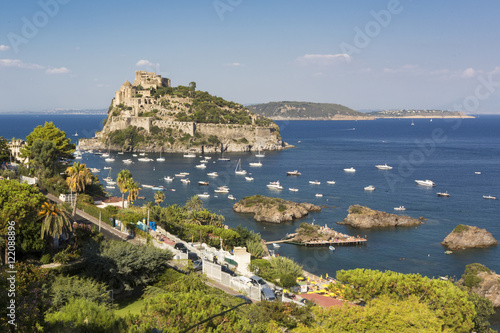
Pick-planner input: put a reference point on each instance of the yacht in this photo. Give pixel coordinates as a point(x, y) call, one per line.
point(76, 133)
point(443, 194)
point(255, 164)
point(276, 245)
point(158, 188)
point(222, 189)
point(200, 166)
point(110, 186)
point(318, 194)
point(293, 173)
point(332, 248)
point(189, 155)
point(400, 208)
point(489, 197)
point(383, 167)
point(203, 161)
point(127, 161)
point(249, 178)
point(95, 170)
point(314, 182)
point(212, 174)
point(275, 185)
point(203, 183)
point(331, 182)
point(109, 159)
point(477, 172)
point(370, 188)
point(185, 180)
point(351, 169)
point(145, 159)
point(142, 154)
point(231, 197)
point(238, 170)
point(426, 182)
point(293, 189)
point(168, 178)
point(147, 186)
point(134, 155)
point(110, 182)
point(204, 195)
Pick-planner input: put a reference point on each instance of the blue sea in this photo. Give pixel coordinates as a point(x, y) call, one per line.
point(448, 152)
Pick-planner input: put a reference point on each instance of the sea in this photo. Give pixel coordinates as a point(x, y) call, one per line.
point(462, 157)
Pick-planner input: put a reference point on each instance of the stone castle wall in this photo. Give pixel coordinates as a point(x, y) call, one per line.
point(186, 127)
point(117, 123)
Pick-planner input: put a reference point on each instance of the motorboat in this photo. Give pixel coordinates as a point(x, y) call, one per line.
point(208, 157)
point(383, 167)
point(145, 159)
point(127, 161)
point(238, 170)
point(203, 161)
point(400, 208)
point(204, 195)
point(331, 182)
point(331, 248)
point(224, 159)
point(275, 185)
point(160, 159)
point(111, 182)
point(168, 178)
point(477, 172)
point(212, 174)
point(120, 153)
point(109, 159)
point(276, 245)
point(105, 155)
point(147, 186)
point(351, 169)
point(95, 170)
point(200, 166)
point(203, 183)
point(249, 178)
point(293, 189)
point(318, 195)
point(231, 197)
point(370, 188)
point(158, 188)
point(142, 154)
point(255, 164)
point(222, 189)
point(259, 154)
point(185, 180)
point(489, 197)
point(314, 182)
point(443, 194)
point(293, 173)
point(426, 182)
point(107, 168)
point(110, 186)
point(189, 155)
point(134, 155)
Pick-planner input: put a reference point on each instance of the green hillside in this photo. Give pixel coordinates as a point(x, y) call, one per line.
point(288, 109)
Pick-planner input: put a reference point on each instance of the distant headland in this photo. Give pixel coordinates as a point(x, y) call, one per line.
point(290, 110)
point(152, 116)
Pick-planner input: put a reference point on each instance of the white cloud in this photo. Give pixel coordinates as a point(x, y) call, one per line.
point(234, 64)
point(469, 72)
point(4, 47)
point(61, 70)
point(323, 59)
point(19, 64)
point(146, 63)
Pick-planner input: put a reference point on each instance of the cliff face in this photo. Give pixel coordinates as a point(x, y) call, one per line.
point(273, 210)
point(364, 217)
point(464, 237)
point(489, 287)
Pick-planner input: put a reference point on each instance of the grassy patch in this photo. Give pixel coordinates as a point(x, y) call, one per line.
point(460, 228)
point(132, 304)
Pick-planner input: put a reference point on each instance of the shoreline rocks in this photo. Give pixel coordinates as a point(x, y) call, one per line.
point(274, 210)
point(364, 217)
point(466, 236)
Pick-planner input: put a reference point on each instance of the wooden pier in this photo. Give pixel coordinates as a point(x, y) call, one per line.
point(359, 241)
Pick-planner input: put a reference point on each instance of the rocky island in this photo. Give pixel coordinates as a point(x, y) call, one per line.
point(482, 281)
point(364, 217)
point(274, 210)
point(152, 116)
point(465, 236)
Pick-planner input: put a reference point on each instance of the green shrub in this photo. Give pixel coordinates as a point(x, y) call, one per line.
point(62, 257)
point(45, 259)
point(461, 228)
point(288, 280)
point(470, 275)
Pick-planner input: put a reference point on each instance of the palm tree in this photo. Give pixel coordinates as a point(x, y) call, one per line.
point(56, 221)
point(122, 180)
point(133, 191)
point(78, 178)
point(159, 197)
point(194, 204)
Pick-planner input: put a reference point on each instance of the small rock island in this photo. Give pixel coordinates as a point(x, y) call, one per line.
point(466, 236)
point(274, 210)
point(364, 217)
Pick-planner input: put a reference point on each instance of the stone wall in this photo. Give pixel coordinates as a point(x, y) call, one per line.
point(186, 127)
point(117, 123)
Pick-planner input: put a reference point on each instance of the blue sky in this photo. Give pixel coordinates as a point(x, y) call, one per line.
point(73, 54)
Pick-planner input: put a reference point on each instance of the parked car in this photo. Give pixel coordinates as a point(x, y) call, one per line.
point(226, 269)
point(258, 281)
point(267, 294)
point(181, 247)
point(244, 280)
point(193, 256)
point(197, 265)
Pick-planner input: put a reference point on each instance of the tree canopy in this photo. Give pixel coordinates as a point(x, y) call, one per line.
point(49, 132)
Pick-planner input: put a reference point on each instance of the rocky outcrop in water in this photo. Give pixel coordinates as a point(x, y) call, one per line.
point(274, 210)
point(364, 217)
point(481, 280)
point(465, 236)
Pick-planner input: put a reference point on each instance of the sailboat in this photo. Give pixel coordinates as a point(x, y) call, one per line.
point(259, 154)
point(160, 159)
point(238, 169)
point(108, 157)
point(76, 133)
point(412, 123)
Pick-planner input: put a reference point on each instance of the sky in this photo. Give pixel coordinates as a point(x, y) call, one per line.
point(367, 55)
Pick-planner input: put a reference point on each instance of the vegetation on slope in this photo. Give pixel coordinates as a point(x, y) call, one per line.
point(289, 109)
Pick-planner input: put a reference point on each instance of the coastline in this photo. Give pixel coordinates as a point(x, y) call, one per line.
point(369, 118)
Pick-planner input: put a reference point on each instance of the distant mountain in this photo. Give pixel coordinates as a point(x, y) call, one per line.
point(418, 114)
point(306, 110)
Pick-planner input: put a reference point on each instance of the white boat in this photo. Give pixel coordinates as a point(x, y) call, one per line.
point(142, 154)
point(383, 167)
point(212, 174)
point(158, 188)
point(147, 186)
point(331, 248)
point(224, 159)
point(182, 174)
point(293, 189)
point(95, 170)
point(238, 170)
point(276, 245)
point(134, 155)
point(204, 195)
point(145, 159)
point(426, 182)
point(275, 185)
point(109, 159)
point(412, 123)
point(189, 155)
point(370, 188)
point(293, 173)
point(200, 166)
point(331, 182)
point(318, 194)
point(110, 186)
point(107, 168)
point(120, 153)
point(443, 194)
point(477, 172)
point(249, 178)
point(185, 181)
point(489, 197)
point(351, 169)
point(208, 157)
point(400, 208)
point(168, 178)
point(222, 189)
point(127, 161)
point(160, 159)
point(203, 161)
point(105, 155)
point(259, 154)
point(111, 182)
point(255, 164)
point(76, 133)
point(203, 183)
point(231, 197)
point(314, 182)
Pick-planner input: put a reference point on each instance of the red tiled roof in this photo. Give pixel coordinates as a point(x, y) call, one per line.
point(323, 301)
